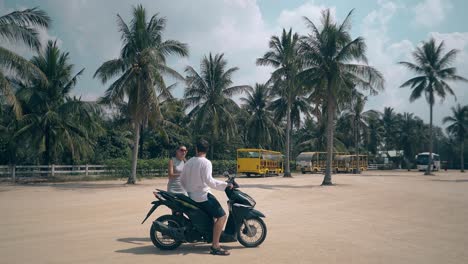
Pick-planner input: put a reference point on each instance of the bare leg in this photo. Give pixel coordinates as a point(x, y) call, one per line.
point(217, 229)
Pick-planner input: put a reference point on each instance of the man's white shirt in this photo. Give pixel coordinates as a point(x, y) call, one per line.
point(196, 178)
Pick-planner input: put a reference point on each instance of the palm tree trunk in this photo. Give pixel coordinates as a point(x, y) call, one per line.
point(141, 141)
point(462, 162)
point(212, 148)
point(327, 180)
point(136, 139)
point(47, 147)
point(429, 164)
point(287, 170)
point(356, 138)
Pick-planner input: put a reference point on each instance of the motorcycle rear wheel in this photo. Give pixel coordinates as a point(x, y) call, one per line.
point(161, 241)
point(256, 236)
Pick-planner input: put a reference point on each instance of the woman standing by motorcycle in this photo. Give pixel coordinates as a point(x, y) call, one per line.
point(175, 167)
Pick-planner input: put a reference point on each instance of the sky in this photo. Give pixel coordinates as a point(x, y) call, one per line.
point(241, 29)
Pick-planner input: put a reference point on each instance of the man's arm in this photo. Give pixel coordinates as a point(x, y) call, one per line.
point(210, 181)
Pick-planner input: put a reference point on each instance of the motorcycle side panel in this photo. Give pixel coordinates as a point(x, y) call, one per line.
point(200, 220)
point(241, 212)
point(230, 226)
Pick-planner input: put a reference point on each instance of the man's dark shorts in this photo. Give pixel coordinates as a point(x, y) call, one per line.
point(212, 207)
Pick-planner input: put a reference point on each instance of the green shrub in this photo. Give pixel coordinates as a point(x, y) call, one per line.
point(145, 168)
point(158, 167)
point(220, 166)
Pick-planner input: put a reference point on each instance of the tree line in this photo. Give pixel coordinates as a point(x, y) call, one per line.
point(314, 99)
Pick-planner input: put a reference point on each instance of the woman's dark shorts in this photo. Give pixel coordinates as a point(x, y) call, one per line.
point(212, 207)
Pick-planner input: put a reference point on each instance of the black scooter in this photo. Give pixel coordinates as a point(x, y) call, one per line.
point(189, 223)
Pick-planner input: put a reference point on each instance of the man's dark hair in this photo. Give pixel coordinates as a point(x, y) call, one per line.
point(202, 145)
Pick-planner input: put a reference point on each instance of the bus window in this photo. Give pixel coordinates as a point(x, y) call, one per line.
point(248, 154)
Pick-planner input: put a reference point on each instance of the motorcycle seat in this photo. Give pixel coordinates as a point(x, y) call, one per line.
point(187, 199)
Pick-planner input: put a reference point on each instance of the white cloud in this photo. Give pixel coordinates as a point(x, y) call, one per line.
point(384, 53)
point(455, 40)
point(459, 41)
point(295, 18)
point(88, 30)
point(431, 12)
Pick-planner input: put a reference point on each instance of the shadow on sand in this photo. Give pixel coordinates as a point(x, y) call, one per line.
point(135, 240)
point(184, 249)
point(456, 180)
point(286, 186)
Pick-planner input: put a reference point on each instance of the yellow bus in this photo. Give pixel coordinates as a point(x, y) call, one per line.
point(259, 162)
point(311, 162)
point(316, 162)
point(363, 162)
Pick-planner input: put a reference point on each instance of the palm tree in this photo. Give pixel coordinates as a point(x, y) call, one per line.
point(408, 135)
point(210, 93)
point(389, 122)
point(359, 118)
point(285, 58)
point(458, 128)
point(300, 104)
point(433, 69)
point(332, 60)
point(313, 136)
point(140, 70)
point(374, 133)
point(19, 27)
point(54, 121)
point(261, 127)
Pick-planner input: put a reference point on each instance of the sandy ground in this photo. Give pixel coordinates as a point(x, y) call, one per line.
point(377, 217)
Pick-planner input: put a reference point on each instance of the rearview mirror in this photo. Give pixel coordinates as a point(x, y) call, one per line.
point(226, 174)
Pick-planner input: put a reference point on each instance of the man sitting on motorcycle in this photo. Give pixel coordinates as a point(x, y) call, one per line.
point(196, 178)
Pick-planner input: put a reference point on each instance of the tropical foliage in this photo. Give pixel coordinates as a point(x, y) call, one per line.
point(314, 100)
point(433, 70)
point(140, 69)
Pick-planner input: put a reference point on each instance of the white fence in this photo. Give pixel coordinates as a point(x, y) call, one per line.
point(382, 166)
point(18, 171)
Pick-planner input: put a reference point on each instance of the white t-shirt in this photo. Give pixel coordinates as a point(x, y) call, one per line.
point(196, 179)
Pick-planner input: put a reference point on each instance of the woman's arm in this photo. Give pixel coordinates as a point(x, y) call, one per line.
point(170, 170)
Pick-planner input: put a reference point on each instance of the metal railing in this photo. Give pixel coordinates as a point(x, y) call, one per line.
point(44, 171)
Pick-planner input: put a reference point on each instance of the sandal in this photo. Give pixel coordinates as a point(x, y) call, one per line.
point(219, 251)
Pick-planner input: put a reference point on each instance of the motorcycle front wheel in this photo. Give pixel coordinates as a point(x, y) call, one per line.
point(252, 232)
point(162, 241)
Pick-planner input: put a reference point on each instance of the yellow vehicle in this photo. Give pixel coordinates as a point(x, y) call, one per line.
point(311, 162)
point(316, 162)
point(362, 162)
point(259, 162)
point(347, 163)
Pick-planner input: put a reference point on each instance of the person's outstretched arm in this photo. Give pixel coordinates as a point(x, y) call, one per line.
point(210, 181)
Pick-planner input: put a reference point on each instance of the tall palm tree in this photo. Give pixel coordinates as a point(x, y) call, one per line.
point(389, 122)
point(285, 58)
point(19, 27)
point(408, 134)
point(359, 118)
point(300, 104)
point(332, 64)
point(261, 127)
point(374, 134)
point(140, 69)
point(313, 136)
point(210, 93)
point(53, 120)
point(433, 69)
point(458, 128)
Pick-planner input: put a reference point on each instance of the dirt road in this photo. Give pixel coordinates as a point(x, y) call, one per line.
point(377, 217)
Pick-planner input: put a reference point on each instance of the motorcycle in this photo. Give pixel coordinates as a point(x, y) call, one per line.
point(190, 224)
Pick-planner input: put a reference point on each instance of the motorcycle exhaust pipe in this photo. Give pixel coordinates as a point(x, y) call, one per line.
point(175, 233)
